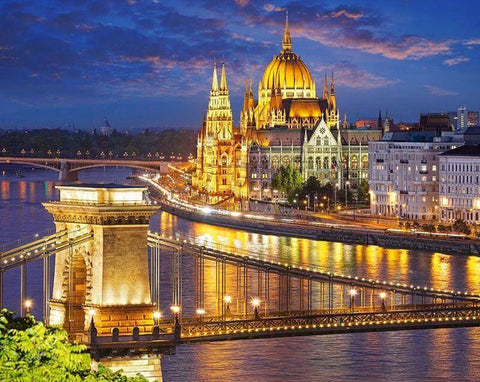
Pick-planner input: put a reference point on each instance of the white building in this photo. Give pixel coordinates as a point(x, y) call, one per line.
point(459, 184)
point(403, 173)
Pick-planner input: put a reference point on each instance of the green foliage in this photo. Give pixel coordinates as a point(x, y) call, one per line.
point(70, 142)
point(288, 180)
point(363, 189)
point(444, 228)
point(461, 227)
point(428, 227)
point(313, 188)
point(29, 351)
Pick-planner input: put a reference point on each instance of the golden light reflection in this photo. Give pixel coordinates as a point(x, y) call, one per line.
point(5, 187)
point(440, 271)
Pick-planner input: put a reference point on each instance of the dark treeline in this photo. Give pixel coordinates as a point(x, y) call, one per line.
point(73, 144)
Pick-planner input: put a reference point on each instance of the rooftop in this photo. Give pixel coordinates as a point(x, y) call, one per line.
point(467, 151)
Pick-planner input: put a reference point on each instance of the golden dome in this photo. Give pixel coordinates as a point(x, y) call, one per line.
point(287, 70)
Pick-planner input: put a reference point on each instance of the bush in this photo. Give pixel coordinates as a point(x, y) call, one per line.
point(444, 228)
point(29, 351)
point(461, 227)
point(428, 227)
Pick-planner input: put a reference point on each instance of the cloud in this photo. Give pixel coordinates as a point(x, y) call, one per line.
point(455, 61)
point(350, 75)
point(345, 13)
point(472, 42)
point(272, 8)
point(242, 3)
point(437, 91)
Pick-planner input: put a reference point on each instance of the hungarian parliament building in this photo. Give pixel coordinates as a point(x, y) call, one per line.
point(287, 124)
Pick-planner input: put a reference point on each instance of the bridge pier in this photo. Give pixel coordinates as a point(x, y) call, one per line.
point(65, 173)
point(149, 365)
point(106, 278)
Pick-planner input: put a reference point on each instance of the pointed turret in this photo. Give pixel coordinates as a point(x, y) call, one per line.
point(287, 41)
point(325, 88)
point(251, 98)
point(214, 78)
point(332, 100)
point(246, 97)
point(223, 80)
point(345, 122)
point(386, 125)
point(379, 122)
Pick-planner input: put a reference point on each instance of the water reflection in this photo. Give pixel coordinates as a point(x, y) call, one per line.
point(452, 354)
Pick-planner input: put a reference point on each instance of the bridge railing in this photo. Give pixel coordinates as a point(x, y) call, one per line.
point(240, 257)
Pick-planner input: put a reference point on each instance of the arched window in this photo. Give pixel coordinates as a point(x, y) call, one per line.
point(224, 161)
point(264, 162)
point(319, 141)
point(297, 163)
point(326, 141)
point(334, 164)
point(365, 162)
point(310, 163)
point(318, 163)
point(275, 162)
point(325, 163)
point(354, 162)
point(286, 161)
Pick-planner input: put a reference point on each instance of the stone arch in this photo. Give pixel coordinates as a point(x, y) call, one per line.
point(77, 289)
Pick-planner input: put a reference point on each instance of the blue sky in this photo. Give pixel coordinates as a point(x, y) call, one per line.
point(148, 63)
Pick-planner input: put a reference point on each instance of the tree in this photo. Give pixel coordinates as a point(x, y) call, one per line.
point(29, 351)
point(462, 227)
point(288, 180)
point(310, 189)
point(444, 228)
point(428, 227)
point(363, 190)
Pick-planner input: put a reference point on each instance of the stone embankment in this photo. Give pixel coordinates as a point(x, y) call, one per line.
point(347, 235)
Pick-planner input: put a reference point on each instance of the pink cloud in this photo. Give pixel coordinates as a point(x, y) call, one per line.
point(435, 90)
point(350, 15)
point(272, 8)
point(455, 61)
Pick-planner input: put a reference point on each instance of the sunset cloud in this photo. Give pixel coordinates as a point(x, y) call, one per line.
point(455, 61)
point(437, 91)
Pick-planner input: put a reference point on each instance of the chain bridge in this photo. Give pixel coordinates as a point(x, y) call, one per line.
point(124, 290)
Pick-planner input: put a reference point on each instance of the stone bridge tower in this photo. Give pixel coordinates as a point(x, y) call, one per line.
point(107, 277)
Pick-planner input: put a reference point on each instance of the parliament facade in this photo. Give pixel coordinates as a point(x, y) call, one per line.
point(287, 124)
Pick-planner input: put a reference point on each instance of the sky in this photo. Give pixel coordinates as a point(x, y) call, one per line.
point(148, 63)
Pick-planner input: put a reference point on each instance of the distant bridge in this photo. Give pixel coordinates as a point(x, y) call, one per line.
point(68, 168)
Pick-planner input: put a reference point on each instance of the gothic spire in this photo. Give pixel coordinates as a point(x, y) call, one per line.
point(214, 78)
point(286, 42)
point(332, 87)
point(223, 80)
point(325, 88)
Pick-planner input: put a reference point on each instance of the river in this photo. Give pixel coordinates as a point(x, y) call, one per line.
point(443, 354)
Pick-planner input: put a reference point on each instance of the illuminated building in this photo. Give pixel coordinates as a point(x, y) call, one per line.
point(460, 184)
point(286, 124)
point(221, 148)
point(403, 173)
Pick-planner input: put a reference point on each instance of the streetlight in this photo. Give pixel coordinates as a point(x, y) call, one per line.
point(227, 299)
point(256, 304)
point(353, 293)
point(177, 329)
point(383, 295)
point(347, 184)
point(337, 187)
point(156, 317)
point(200, 313)
point(28, 305)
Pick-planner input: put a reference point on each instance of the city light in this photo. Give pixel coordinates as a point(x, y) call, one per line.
point(383, 295)
point(227, 299)
point(28, 304)
point(200, 311)
point(175, 309)
point(256, 302)
point(157, 315)
point(353, 292)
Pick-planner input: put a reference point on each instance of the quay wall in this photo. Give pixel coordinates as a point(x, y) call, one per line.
point(335, 234)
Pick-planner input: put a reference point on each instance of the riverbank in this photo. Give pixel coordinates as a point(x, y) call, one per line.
point(330, 233)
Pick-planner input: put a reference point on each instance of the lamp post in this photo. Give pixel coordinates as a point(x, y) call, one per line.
point(200, 313)
point(227, 299)
point(28, 305)
point(177, 329)
point(347, 184)
point(353, 293)
point(337, 186)
point(383, 295)
point(256, 304)
point(156, 317)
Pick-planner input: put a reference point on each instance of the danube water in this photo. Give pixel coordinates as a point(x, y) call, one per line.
point(427, 355)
